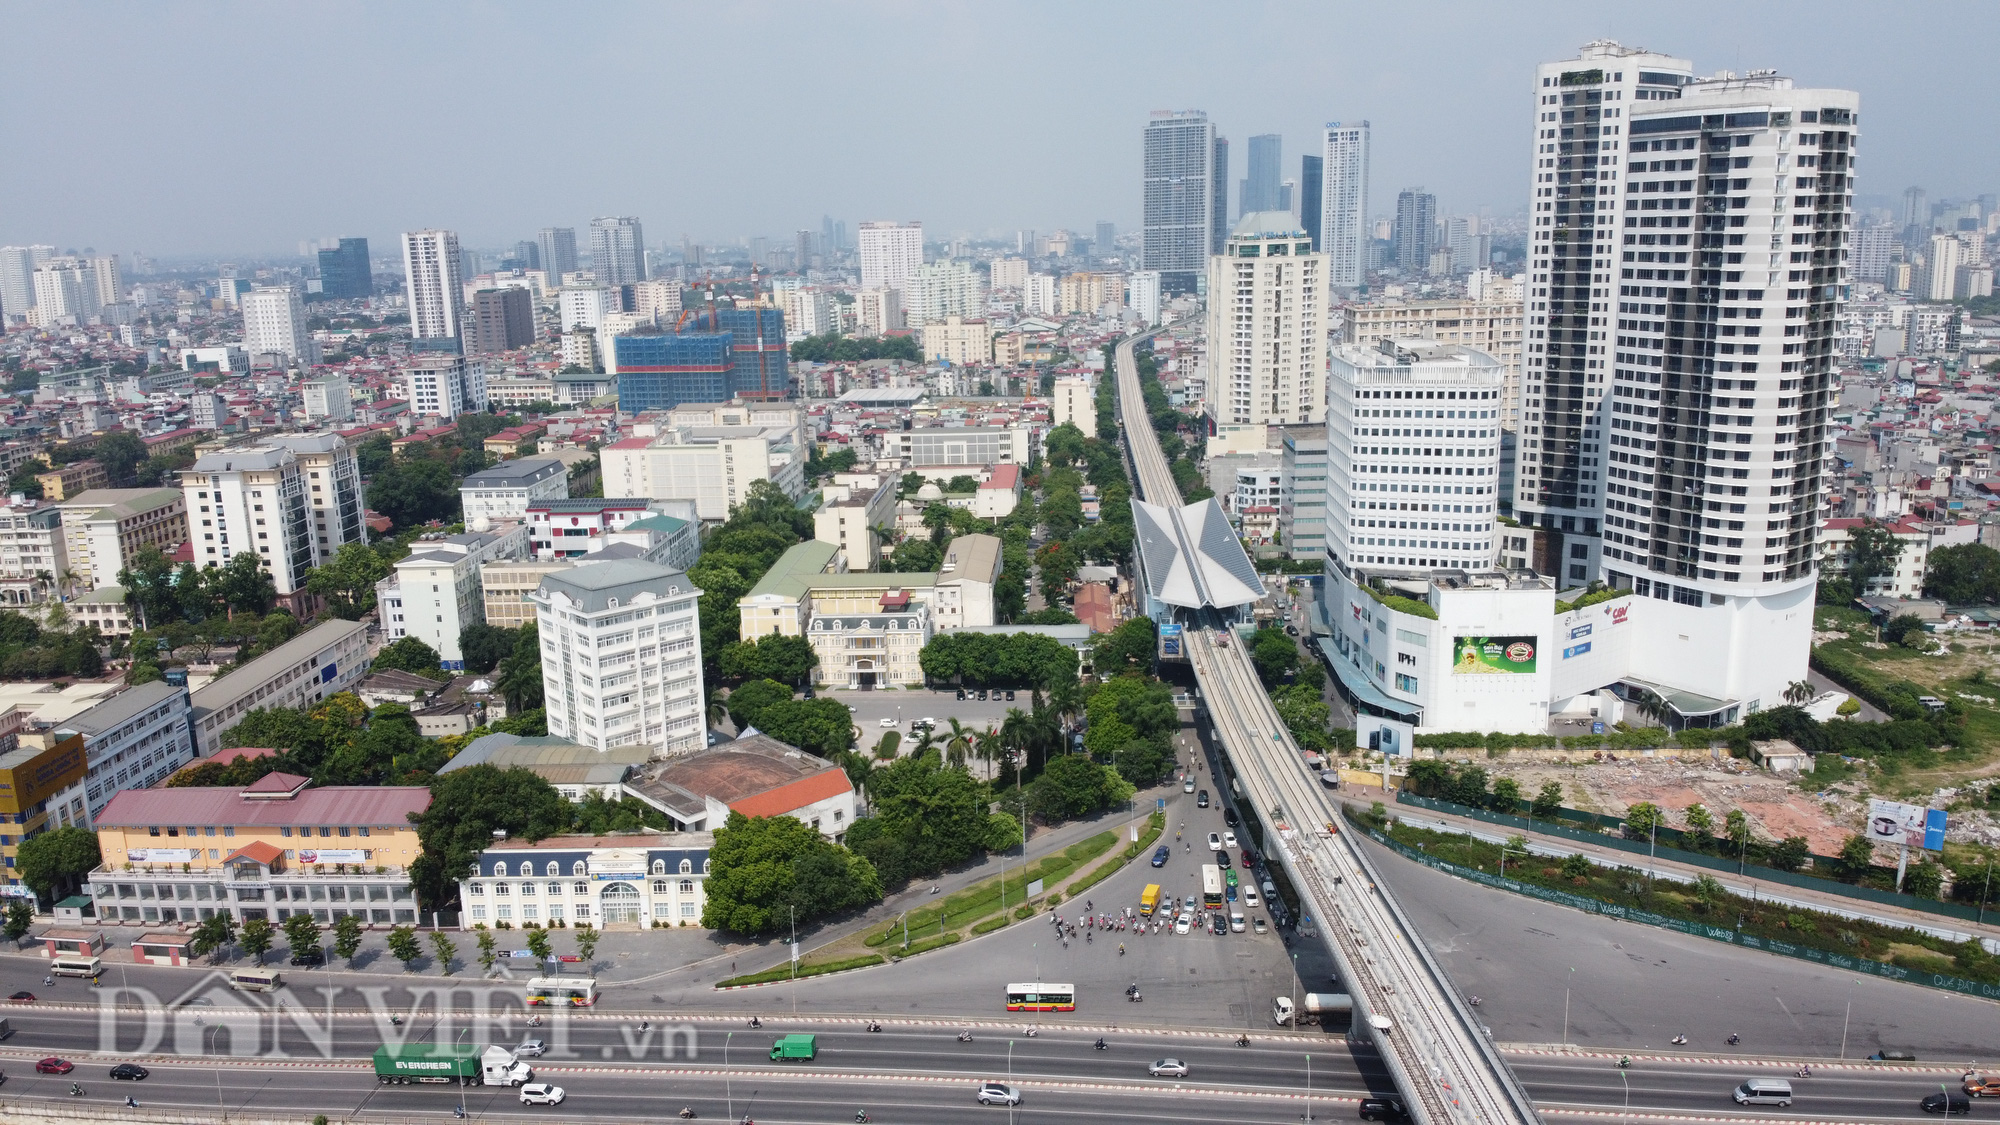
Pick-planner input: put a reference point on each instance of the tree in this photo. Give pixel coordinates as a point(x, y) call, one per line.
point(301, 933)
point(928, 817)
point(1707, 891)
point(767, 868)
point(1872, 551)
point(1799, 692)
point(538, 944)
point(1576, 866)
point(257, 937)
point(1700, 823)
point(748, 702)
point(820, 726)
point(521, 671)
point(484, 646)
point(466, 806)
point(914, 556)
point(1791, 853)
point(586, 943)
point(241, 585)
point(1643, 819)
point(1924, 879)
point(119, 451)
point(410, 654)
point(1736, 826)
point(1857, 855)
point(487, 947)
point(1506, 795)
point(1275, 655)
point(1963, 575)
point(1070, 786)
point(53, 863)
point(213, 935)
point(347, 581)
point(346, 937)
point(786, 660)
point(414, 491)
point(404, 946)
point(443, 949)
point(1130, 645)
point(20, 919)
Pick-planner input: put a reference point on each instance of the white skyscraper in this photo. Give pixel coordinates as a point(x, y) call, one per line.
point(109, 281)
point(66, 292)
point(890, 253)
point(1038, 296)
point(446, 386)
point(1267, 325)
point(1344, 204)
point(1144, 287)
point(617, 251)
point(432, 269)
point(17, 281)
point(1939, 281)
point(1185, 195)
point(621, 656)
point(274, 320)
point(1413, 456)
point(252, 499)
point(941, 289)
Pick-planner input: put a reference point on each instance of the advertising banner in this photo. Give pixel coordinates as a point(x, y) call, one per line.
point(1912, 826)
point(1477, 656)
point(350, 855)
point(160, 855)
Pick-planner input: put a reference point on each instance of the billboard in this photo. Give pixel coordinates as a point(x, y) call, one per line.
point(1474, 656)
point(333, 856)
point(1911, 826)
point(41, 775)
point(162, 855)
point(1390, 737)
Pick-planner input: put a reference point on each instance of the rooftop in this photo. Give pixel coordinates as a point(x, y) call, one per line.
point(512, 474)
point(227, 689)
point(386, 806)
point(755, 775)
point(1192, 557)
point(606, 585)
point(121, 708)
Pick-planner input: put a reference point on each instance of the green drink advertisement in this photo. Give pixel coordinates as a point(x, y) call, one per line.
point(1480, 656)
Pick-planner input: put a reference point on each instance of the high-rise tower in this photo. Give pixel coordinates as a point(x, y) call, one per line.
point(617, 251)
point(1343, 223)
point(1263, 168)
point(1185, 197)
point(558, 245)
point(433, 269)
point(1266, 325)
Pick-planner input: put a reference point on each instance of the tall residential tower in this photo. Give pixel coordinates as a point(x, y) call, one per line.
point(1343, 206)
point(617, 251)
point(1185, 197)
point(432, 269)
point(1267, 325)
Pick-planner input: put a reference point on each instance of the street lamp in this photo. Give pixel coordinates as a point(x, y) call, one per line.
point(1309, 1089)
point(461, 1081)
point(212, 1041)
point(1566, 985)
point(728, 1090)
point(1626, 1116)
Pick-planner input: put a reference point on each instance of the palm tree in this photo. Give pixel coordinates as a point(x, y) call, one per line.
point(1799, 692)
point(68, 580)
point(718, 707)
point(957, 746)
point(988, 748)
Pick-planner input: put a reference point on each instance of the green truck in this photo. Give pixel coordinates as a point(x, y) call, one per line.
point(462, 1064)
point(800, 1047)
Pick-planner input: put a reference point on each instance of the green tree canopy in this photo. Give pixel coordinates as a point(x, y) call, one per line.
point(788, 660)
point(411, 654)
point(53, 863)
point(484, 646)
point(1018, 660)
point(466, 806)
point(1872, 551)
point(1963, 575)
point(347, 581)
point(769, 871)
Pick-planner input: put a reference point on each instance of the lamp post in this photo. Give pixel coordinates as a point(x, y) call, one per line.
point(1309, 1089)
point(1626, 1116)
point(1566, 986)
point(1844, 1021)
point(728, 1089)
point(218, 1073)
point(461, 1081)
point(1010, 1079)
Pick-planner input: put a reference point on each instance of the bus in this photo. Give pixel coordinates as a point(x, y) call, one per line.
point(1211, 886)
point(562, 992)
point(1041, 998)
point(255, 980)
point(76, 967)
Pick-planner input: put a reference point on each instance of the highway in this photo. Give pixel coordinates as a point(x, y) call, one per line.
point(910, 1072)
point(1431, 1044)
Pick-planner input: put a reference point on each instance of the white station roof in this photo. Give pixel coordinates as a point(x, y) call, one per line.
point(1192, 557)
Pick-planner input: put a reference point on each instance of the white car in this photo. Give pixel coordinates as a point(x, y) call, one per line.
point(1250, 896)
point(541, 1093)
point(999, 1093)
point(887, 722)
point(1229, 841)
point(1184, 924)
point(1214, 842)
point(532, 1049)
point(1188, 785)
point(1168, 1068)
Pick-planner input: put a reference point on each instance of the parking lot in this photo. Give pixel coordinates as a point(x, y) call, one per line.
point(905, 707)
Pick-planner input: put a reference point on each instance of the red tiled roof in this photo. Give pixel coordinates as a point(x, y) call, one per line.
point(385, 805)
point(631, 443)
point(789, 798)
point(276, 782)
point(1003, 476)
point(260, 851)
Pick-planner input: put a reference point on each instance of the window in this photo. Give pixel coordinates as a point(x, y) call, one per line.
point(659, 867)
point(552, 870)
point(1406, 683)
point(578, 868)
point(686, 866)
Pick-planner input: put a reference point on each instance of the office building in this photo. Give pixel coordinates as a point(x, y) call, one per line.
point(499, 320)
point(132, 740)
point(1266, 325)
point(333, 488)
point(17, 279)
point(634, 623)
point(1415, 231)
point(558, 250)
point(713, 466)
point(274, 324)
point(1413, 457)
point(328, 398)
point(329, 658)
point(1143, 295)
point(31, 775)
point(433, 274)
point(345, 272)
point(103, 529)
point(1105, 244)
point(433, 592)
point(1312, 199)
point(445, 386)
point(631, 880)
point(617, 251)
point(1302, 496)
point(1344, 224)
point(1942, 259)
point(1184, 203)
point(1263, 166)
point(1489, 318)
point(504, 491)
point(890, 253)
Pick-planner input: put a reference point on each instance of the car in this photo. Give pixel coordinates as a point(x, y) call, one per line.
point(961, 693)
point(1383, 1109)
point(1236, 925)
point(129, 1072)
point(1982, 1087)
point(1229, 839)
point(1249, 859)
point(1250, 896)
point(1946, 1104)
point(1217, 924)
point(532, 1049)
point(541, 1093)
point(1221, 859)
point(1188, 786)
point(23, 997)
point(982, 695)
point(1168, 1068)
point(1214, 842)
point(54, 1065)
point(1229, 817)
point(1291, 630)
point(1229, 878)
point(887, 722)
point(1160, 855)
point(1201, 799)
point(1257, 925)
point(311, 958)
point(1184, 923)
point(999, 1093)
point(1010, 697)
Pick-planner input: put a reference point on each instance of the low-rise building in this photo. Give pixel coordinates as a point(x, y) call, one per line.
point(68, 480)
point(574, 770)
point(104, 528)
point(504, 491)
point(1836, 547)
point(999, 494)
point(32, 776)
point(269, 850)
point(855, 520)
point(33, 556)
point(434, 592)
point(619, 879)
point(105, 608)
point(712, 465)
point(755, 775)
point(328, 658)
point(132, 740)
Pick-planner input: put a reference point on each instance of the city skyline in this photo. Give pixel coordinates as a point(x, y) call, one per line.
point(1453, 125)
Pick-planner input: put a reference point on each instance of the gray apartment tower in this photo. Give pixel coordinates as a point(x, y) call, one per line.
point(1415, 231)
point(558, 251)
point(1263, 171)
point(1312, 184)
point(1186, 198)
point(617, 251)
point(344, 272)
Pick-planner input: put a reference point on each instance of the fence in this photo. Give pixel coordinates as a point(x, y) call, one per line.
point(1956, 910)
point(1714, 933)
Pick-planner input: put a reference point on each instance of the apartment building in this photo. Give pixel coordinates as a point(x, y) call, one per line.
point(504, 491)
point(505, 586)
point(104, 528)
point(1491, 323)
point(621, 656)
point(445, 386)
point(333, 494)
point(252, 499)
point(856, 519)
point(435, 592)
point(1266, 325)
point(328, 399)
point(274, 323)
point(33, 554)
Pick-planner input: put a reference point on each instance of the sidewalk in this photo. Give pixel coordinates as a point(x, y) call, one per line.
point(1557, 847)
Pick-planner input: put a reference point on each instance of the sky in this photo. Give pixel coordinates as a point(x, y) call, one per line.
point(239, 129)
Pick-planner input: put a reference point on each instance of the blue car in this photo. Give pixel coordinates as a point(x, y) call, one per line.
point(1160, 855)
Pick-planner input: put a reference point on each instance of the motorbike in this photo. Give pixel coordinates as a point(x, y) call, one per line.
point(1243, 1041)
point(1100, 1045)
point(75, 1091)
point(1136, 998)
point(1031, 1032)
point(395, 1021)
point(873, 1026)
point(1624, 1062)
point(755, 1022)
point(1679, 1040)
point(687, 1113)
point(1803, 1071)
point(534, 1021)
point(1473, 1000)
point(1734, 1039)
point(861, 1116)
point(965, 1037)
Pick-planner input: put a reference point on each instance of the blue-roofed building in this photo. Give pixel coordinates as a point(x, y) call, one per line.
point(628, 879)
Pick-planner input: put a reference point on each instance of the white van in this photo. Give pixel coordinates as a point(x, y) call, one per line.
point(255, 980)
point(1764, 1091)
point(76, 967)
point(1236, 923)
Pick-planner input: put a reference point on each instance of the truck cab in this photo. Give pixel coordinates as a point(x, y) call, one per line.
point(498, 1066)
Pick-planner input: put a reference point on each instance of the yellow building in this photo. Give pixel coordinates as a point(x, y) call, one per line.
point(29, 776)
point(959, 341)
point(1491, 325)
point(75, 477)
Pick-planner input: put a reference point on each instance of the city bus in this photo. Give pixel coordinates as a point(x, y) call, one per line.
point(562, 992)
point(1041, 997)
point(1211, 886)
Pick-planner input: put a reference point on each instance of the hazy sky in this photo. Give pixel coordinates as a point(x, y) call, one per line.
point(238, 129)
